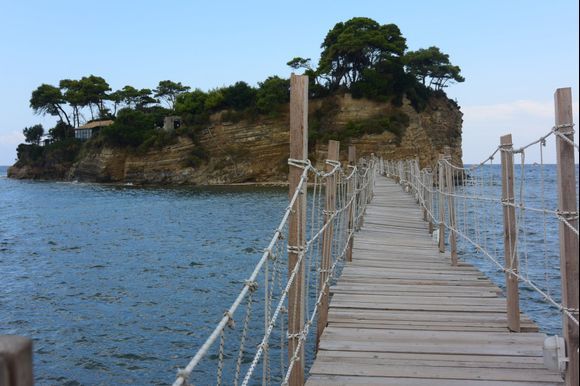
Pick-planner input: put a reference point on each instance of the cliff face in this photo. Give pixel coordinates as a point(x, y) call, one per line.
point(258, 151)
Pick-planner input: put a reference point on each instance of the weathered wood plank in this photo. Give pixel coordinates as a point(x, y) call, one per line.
point(400, 314)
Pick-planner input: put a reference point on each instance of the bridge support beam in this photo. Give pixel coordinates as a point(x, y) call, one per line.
point(351, 189)
point(568, 240)
point(510, 232)
point(327, 237)
point(441, 187)
point(297, 222)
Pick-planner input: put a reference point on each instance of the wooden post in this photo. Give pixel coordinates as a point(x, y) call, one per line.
point(429, 201)
point(451, 207)
point(568, 240)
point(15, 361)
point(297, 220)
point(509, 232)
point(441, 176)
point(327, 237)
point(351, 191)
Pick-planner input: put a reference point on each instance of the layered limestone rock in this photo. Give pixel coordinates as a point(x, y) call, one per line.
point(258, 151)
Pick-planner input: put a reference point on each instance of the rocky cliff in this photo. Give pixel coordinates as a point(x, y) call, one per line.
point(257, 151)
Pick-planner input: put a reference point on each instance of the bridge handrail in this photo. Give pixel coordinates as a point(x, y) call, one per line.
point(362, 178)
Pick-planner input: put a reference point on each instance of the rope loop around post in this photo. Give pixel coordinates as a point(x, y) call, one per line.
point(295, 249)
point(252, 285)
point(231, 322)
point(300, 163)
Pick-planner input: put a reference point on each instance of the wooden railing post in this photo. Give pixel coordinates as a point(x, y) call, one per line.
point(509, 232)
point(568, 240)
point(15, 361)
point(327, 236)
point(297, 220)
point(351, 191)
point(451, 207)
point(429, 201)
point(441, 176)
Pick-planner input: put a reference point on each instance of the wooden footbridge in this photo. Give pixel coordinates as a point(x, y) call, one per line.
point(370, 297)
point(353, 289)
point(402, 315)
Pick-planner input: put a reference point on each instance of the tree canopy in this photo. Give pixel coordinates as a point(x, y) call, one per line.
point(432, 67)
point(33, 134)
point(358, 44)
point(169, 91)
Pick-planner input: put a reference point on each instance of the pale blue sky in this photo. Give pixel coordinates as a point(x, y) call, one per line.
point(514, 54)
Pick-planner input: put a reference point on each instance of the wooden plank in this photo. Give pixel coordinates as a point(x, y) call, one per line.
point(400, 314)
point(338, 380)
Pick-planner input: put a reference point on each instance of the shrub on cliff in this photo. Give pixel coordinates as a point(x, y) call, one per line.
point(131, 128)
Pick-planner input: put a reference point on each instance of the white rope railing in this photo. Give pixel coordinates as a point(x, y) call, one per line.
point(478, 201)
point(354, 186)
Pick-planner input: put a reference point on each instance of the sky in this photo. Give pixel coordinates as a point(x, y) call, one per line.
point(513, 54)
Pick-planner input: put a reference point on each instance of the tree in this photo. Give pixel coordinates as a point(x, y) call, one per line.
point(134, 98)
point(131, 128)
point(61, 131)
point(239, 96)
point(273, 91)
point(33, 134)
point(432, 68)
point(299, 62)
point(94, 90)
point(73, 93)
point(191, 102)
point(169, 91)
point(353, 46)
point(47, 99)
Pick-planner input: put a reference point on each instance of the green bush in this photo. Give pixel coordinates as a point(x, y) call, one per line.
point(131, 128)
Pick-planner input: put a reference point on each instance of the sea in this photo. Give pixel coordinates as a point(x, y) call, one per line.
point(118, 284)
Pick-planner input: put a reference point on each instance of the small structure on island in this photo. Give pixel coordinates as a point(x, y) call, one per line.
point(171, 123)
point(87, 130)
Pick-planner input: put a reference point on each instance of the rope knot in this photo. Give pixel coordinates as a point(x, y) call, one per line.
point(569, 126)
point(231, 322)
point(295, 249)
point(252, 285)
point(567, 215)
point(264, 346)
point(300, 163)
point(293, 336)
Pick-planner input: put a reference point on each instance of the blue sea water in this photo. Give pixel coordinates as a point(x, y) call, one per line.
point(121, 284)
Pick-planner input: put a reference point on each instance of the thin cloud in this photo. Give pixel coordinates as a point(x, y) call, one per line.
point(505, 111)
point(13, 137)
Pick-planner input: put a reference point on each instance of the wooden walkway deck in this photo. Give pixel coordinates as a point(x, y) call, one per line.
point(402, 315)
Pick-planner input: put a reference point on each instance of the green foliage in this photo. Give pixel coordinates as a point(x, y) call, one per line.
point(47, 99)
point(64, 151)
point(395, 123)
point(33, 134)
point(353, 46)
point(298, 62)
point(61, 131)
point(169, 91)
point(214, 100)
point(432, 68)
point(29, 154)
point(240, 96)
point(131, 128)
point(273, 92)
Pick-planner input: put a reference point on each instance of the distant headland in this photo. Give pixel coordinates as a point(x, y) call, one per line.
point(367, 90)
